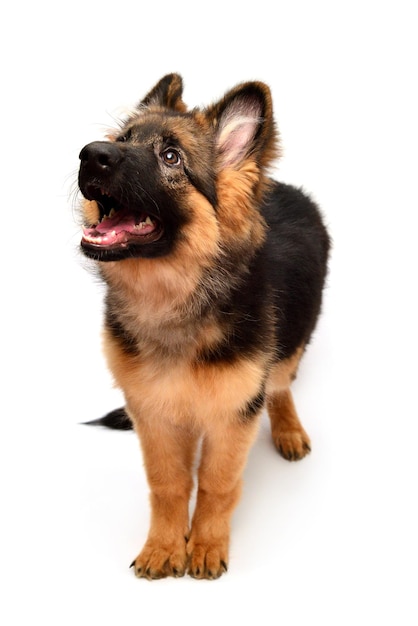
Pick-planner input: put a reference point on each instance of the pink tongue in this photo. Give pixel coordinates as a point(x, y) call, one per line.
point(118, 229)
point(117, 223)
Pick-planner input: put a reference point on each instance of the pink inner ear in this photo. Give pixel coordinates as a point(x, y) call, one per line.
point(237, 130)
point(235, 140)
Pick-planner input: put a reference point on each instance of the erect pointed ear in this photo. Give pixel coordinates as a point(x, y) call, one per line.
point(244, 126)
point(167, 93)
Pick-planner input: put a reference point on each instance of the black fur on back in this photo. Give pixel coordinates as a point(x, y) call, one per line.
point(295, 257)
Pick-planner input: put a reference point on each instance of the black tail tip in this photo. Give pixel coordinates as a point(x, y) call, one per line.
point(117, 420)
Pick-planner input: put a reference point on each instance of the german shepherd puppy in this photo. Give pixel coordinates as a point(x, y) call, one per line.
point(214, 276)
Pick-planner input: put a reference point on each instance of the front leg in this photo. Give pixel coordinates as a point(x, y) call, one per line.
point(168, 455)
point(224, 454)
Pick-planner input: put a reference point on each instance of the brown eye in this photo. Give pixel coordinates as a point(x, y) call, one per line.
point(170, 157)
point(125, 137)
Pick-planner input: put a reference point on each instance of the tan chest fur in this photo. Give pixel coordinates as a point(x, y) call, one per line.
point(182, 391)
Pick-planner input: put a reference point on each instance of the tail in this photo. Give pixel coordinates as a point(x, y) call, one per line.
point(117, 419)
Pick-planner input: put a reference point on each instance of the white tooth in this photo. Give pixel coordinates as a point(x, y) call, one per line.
point(113, 233)
point(148, 220)
point(104, 218)
point(112, 212)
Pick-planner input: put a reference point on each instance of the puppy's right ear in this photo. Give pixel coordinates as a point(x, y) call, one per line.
point(244, 125)
point(166, 93)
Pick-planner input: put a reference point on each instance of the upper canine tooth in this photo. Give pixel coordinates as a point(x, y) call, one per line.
point(112, 212)
point(148, 220)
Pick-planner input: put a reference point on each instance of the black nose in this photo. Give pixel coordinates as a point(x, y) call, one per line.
point(100, 157)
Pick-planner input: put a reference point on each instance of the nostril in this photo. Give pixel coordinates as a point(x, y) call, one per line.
point(104, 160)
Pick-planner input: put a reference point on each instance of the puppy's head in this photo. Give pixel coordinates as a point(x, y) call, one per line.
point(162, 180)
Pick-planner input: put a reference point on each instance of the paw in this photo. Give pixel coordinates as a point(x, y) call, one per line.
point(292, 445)
point(207, 560)
point(158, 560)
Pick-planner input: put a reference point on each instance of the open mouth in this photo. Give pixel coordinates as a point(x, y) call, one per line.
point(120, 226)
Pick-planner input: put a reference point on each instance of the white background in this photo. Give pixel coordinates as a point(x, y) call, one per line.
point(330, 540)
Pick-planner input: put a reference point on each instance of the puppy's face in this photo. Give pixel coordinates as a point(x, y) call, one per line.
point(170, 180)
point(136, 186)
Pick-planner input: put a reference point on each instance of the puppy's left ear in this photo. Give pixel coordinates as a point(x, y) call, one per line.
point(244, 125)
point(166, 93)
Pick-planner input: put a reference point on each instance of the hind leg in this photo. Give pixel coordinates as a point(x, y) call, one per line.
point(288, 434)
